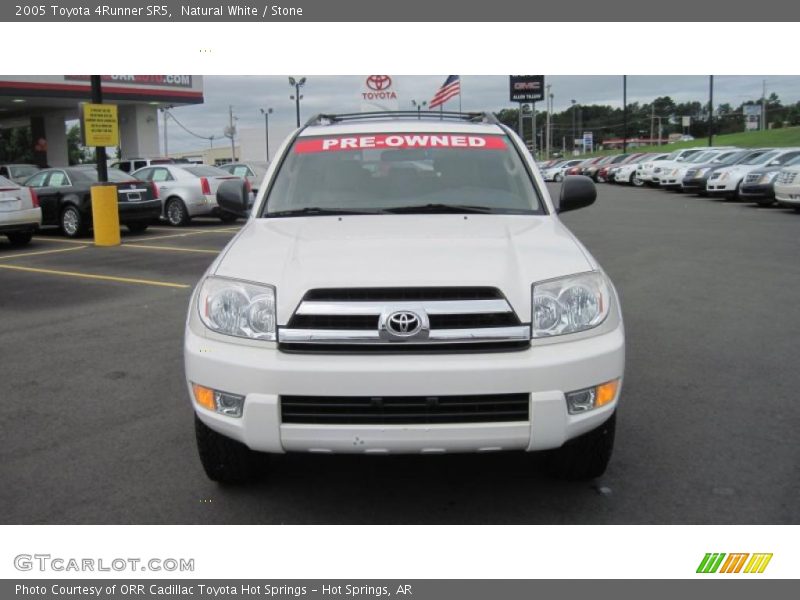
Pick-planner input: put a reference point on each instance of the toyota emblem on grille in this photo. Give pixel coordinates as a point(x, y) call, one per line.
point(403, 323)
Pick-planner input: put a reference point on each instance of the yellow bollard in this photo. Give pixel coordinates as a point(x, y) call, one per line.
point(105, 215)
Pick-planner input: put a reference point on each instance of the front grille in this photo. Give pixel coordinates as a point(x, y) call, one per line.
point(716, 175)
point(343, 320)
point(786, 177)
point(752, 177)
point(404, 410)
point(370, 322)
point(690, 173)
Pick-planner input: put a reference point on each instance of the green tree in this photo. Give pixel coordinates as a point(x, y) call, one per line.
point(75, 151)
point(16, 145)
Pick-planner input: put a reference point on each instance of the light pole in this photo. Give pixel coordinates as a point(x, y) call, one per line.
point(710, 110)
point(574, 104)
point(230, 132)
point(165, 111)
point(624, 114)
point(419, 106)
point(550, 126)
point(297, 83)
point(266, 114)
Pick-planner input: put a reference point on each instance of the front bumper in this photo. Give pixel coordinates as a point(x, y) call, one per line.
point(788, 195)
point(695, 185)
point(719, 187)
point(757, 190)
point(262, 373)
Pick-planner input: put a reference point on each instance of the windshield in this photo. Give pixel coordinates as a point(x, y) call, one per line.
point(440, 172)
point(793, 163)
point(760, 159)
point(726, 157)
point(23, 170)
point(701, 157)
point(686, 155)
point(783, 159)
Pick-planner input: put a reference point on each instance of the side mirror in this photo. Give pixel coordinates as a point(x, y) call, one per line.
point(233, 196)
point(577, 191)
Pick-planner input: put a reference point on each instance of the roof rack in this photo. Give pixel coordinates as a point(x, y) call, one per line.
point(472, 117)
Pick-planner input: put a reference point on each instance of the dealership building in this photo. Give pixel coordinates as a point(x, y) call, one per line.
point(46, 103)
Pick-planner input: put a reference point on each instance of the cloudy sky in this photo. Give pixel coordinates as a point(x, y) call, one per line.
point(489, 92)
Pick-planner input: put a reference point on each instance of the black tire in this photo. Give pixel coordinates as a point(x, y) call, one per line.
point(557, 177)
point(137, 227)
point(585, 457)
point(636, 182)
point(225, 460)
point(19, 238)
point(176, 213)
point(73, 225)
point(228, 217)
point(765, 202)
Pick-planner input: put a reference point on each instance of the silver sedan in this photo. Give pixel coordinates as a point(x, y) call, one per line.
point(187, 191)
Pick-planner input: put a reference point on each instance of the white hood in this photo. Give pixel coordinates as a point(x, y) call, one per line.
point(296, 254)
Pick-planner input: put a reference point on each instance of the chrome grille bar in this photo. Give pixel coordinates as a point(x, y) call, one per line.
point(431, 307)
point(332, 336)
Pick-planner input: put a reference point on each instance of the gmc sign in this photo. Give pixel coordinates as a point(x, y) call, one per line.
point(526, 88)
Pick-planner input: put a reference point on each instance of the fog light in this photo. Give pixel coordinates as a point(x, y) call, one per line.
point(580, 401)
point(584, 400)
point(223, 403)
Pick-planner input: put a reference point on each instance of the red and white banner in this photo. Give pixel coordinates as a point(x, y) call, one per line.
point(399, 140)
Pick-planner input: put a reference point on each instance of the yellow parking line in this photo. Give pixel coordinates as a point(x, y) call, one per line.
point(195, 230)
point(170, 248)
point(100, 277)
point(60, 240)
point(174, 235)
point(40, 252)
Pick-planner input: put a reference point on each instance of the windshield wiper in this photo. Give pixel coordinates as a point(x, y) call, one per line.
point(439, 208)
point(318, 211)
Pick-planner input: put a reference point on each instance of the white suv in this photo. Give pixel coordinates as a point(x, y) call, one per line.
point(404, 286)
point(787, 187)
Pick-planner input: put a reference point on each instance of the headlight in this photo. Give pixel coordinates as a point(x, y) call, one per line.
point(768, 177)
point(570, 304)
point(700, 173)
point(238, 308)
point(724, 175)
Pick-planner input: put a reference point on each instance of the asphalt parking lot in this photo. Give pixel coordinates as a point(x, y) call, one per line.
point(97, 425)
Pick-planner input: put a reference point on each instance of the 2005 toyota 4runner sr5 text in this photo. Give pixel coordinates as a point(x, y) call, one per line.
point(404, 285)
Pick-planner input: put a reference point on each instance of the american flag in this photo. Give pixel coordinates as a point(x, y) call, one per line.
point(450, 89)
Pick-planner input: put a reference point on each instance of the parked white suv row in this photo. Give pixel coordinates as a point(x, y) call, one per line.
point(404, 286)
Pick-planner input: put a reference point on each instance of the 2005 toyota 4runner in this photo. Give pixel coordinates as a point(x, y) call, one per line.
point(404, 285)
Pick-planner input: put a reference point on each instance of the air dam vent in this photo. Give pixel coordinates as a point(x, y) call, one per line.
point(404, 410)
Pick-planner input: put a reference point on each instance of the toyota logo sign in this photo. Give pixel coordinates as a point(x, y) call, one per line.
point(378, 83)
point(403, 323)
